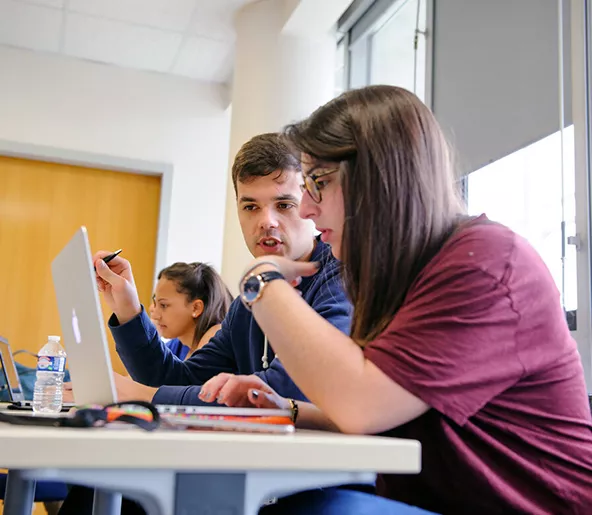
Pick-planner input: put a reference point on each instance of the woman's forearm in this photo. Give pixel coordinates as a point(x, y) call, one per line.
point(326, 364)
point(330, 368)
point(311, 417)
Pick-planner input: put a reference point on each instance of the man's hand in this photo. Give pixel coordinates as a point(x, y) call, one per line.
point(116, 282)
point(68, 394)
point(129, 390)
point(228, 389)
point(241, 391)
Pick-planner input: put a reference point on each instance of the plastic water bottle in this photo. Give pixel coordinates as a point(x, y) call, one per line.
point(49, 383)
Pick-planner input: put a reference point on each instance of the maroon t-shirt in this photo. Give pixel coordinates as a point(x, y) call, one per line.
point(482, 339)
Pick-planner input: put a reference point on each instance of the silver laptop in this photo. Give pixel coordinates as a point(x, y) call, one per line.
point(8, 372)
point(83, 329)
point(83, 326)
point(11, 383)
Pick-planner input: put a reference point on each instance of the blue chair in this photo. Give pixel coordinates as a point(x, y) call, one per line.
point(45, 491)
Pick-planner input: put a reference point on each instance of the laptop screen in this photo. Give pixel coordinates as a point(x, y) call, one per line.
point(9, 373)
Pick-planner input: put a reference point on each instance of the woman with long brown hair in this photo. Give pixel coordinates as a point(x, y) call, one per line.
point(189, 303)
point(458, 337)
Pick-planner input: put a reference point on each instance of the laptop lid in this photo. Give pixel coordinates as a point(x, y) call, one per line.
point(83, 326)
point(9, 373)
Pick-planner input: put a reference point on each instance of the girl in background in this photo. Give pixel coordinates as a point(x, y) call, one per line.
point(189, 303)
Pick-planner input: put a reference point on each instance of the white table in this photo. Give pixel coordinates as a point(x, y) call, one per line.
point(175, 472)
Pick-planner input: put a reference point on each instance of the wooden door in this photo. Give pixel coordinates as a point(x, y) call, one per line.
point(41, 207)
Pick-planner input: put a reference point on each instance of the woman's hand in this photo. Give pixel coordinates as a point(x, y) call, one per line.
point(242, 391)
point(293, 271)
point(116, 282)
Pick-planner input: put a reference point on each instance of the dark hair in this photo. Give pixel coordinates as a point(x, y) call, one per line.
point(261, 156)
point(201, 281)
point(399, 193)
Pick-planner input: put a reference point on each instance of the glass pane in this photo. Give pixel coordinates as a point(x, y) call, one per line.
point(395, 60)
point(340, 78)
point(358, 64)
point(524, 192)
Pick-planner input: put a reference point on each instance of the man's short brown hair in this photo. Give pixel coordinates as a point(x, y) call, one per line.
point(261, 156)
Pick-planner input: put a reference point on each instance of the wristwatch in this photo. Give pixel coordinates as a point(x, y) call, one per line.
point(252, 286)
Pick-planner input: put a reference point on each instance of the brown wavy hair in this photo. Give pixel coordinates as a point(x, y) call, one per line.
point(400, 197)
point(201, 281)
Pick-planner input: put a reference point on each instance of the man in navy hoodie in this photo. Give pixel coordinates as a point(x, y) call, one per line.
point(267, 182)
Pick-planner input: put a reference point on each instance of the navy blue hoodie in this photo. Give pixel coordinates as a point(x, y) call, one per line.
point(236, 348)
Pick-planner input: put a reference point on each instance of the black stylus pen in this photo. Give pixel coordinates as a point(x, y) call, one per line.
point(108, 258)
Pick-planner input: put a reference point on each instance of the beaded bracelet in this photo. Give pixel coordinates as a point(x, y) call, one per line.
point(294, 408)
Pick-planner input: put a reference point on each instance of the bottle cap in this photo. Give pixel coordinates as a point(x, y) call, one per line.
point(53, 339)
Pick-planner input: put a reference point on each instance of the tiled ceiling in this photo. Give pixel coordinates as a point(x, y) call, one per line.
point(192, 38)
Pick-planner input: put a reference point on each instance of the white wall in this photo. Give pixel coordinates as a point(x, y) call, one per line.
point(78, 106)
point(290, 77)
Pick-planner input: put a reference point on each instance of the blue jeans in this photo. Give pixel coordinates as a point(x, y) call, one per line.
point(336, 501)
point(328, 501)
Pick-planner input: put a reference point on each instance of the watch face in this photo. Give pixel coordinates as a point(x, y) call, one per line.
point(251, 289)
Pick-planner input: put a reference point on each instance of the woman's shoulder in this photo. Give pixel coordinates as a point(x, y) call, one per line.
point(490, 248)
point(208, 335)
point(478, 244)
point(482, 235)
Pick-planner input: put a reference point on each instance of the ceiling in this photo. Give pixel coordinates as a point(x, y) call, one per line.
point(190, 38)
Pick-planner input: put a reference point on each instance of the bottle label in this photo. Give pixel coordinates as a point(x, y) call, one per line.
point(51, 363)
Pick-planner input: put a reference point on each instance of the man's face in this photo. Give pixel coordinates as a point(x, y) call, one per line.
point(268, 214)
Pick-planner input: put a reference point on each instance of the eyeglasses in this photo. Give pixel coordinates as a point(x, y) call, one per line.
point(312, 186)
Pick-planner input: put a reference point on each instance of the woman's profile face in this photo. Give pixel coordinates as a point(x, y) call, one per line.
point(171, 311)
point(328, 214)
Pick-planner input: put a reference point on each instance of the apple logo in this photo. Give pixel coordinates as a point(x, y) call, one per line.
point(75, 327)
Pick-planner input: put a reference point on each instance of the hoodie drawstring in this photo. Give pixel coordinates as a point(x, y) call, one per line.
point(264, 357)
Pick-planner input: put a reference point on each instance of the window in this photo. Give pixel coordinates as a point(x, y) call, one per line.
point(541, 191)
point(387, 45)
point(340, 70)
point(524, 191)
point(397, 56)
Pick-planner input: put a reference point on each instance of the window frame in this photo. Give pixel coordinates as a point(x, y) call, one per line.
point(581, 48)
point(357, 27)
point(362, 19)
